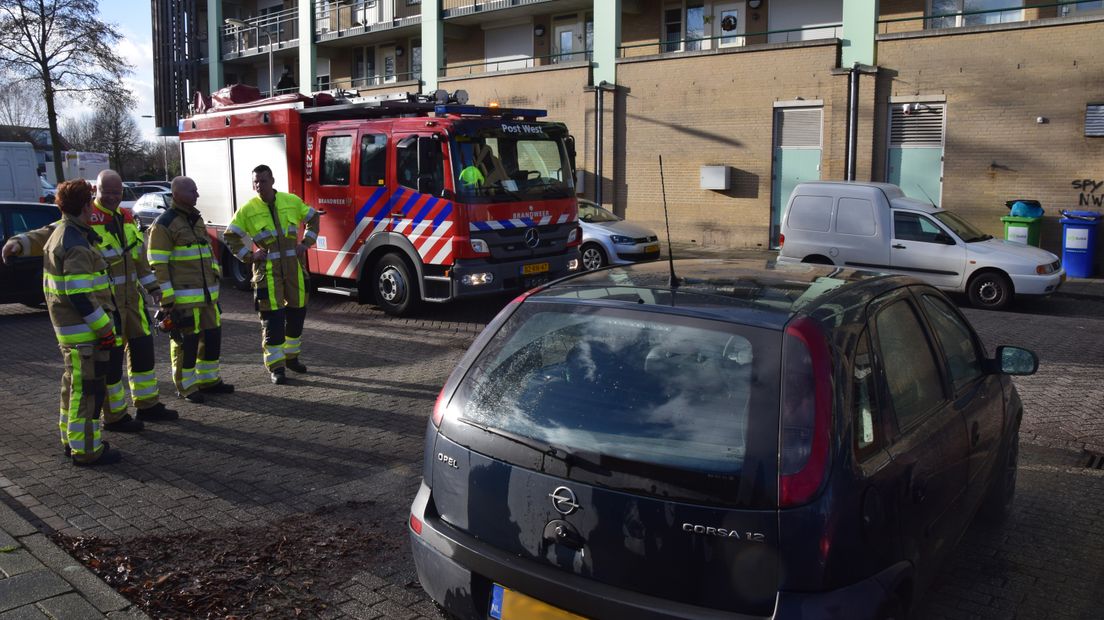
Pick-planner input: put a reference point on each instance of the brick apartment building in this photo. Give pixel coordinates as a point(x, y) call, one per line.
point(967, 103)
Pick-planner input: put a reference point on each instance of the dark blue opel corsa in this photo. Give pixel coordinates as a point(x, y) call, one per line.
point(758, 441)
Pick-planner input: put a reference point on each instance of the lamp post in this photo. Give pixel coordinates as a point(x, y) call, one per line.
point(230, 21)
point(164, 150)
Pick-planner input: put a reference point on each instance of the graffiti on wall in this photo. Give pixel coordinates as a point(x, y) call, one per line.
point(1090, 196)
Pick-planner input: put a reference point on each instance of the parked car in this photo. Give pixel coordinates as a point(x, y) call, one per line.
point(875, 226)
point(610, 240)
point(132, 194)
point(760, 440)
point(47, 194)
point(164, 185)
point(150, 206)
point(21, 278)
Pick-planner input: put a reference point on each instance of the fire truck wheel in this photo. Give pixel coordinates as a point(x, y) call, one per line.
point(396, 291)
point(238, 272)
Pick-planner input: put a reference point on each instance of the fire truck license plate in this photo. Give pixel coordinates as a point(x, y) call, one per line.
point(528, 270)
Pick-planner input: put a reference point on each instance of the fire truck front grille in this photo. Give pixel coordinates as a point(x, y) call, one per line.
point(519, 243)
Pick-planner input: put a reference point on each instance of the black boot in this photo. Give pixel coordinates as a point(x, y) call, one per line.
point(125, 424)
point(279, 377)
point(157, 413)
point(293, 363)
point(107, 457)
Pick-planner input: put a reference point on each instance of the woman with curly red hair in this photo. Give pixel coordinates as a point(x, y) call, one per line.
point(78, 296)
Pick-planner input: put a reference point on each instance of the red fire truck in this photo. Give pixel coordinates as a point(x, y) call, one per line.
point(424, 198)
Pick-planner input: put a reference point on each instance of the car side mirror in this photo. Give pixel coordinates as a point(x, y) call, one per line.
point(1017, 361)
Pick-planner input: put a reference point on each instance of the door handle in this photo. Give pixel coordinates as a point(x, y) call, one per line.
point(975, 435)
point(898, 246)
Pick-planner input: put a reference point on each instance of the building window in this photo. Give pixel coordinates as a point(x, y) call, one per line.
point(672, 29)
point(416, 59)
point(955, 13)
point(364, 66)
point(1094, 120)
point(695, 27)
point(1082, 7)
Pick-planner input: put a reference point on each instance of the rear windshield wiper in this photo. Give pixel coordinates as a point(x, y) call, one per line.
point(568, 458)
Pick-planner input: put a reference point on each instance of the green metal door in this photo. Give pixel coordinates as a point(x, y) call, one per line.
point(797, 147)
point(915, 156)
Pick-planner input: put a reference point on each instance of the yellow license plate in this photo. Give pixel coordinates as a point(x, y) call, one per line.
point(528, 270)
point(651, 248)
point(507, 604)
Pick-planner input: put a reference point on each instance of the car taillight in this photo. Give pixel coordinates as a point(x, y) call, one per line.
point(781, 240)
point(439, 408)
point(415, 524)
point(806, 413)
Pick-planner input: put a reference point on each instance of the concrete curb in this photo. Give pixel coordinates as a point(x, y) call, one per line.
point(39, 580)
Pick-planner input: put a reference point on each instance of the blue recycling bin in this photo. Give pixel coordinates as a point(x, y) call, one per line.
point(1079, 242)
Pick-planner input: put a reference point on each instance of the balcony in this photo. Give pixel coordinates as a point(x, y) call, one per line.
point(457, 8)
point(259, 33)
point(813, 32)
point(334, 19)
point(950, 14)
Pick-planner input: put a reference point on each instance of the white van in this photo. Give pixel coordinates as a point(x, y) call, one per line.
point(19, 180)
point(875, 226)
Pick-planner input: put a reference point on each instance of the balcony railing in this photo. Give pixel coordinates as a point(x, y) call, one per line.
point(341, 15)
point(695, 44)
point(371, 81)
point(259, 32)
point(513, 64)
point(1005, 15)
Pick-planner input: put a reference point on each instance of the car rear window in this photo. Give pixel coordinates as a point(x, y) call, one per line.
point(639, 391)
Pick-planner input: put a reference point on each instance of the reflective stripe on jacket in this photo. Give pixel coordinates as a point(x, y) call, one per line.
point(180, 256)
point(280, 280)
point(76, 284)
point(125, 255)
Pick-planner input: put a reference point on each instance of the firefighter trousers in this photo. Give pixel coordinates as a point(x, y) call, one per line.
point(281, 335)
point(82, 396)
point(195, 350)
point(136, 337)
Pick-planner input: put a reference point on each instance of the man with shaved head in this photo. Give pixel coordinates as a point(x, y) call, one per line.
point(122, 246)
point(188, 273)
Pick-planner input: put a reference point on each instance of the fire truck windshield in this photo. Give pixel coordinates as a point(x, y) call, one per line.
point(510, 161)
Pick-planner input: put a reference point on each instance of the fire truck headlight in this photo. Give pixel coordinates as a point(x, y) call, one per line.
point(573, 235)
point(573, 264)
point(479, 245)
point(478, 279)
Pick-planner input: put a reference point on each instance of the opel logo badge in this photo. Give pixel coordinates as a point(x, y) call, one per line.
point(532, 237)
point(563, 500)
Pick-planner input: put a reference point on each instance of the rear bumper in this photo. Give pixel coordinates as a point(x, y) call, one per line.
point(458, 572)
point(507, 277)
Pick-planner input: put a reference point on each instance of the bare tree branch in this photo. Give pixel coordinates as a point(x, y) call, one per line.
point(63, 47)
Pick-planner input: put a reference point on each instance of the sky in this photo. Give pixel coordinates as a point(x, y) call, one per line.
point(132, 18)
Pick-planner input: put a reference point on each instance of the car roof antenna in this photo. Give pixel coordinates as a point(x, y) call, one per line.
point(674, 283)
point(921, 188)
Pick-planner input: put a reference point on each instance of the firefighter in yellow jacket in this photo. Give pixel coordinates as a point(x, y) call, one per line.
point(180, 255)
point(77, 288)
point(271, 221)
point(123, 248)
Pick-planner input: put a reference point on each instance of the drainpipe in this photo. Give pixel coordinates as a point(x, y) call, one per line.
point(852, 120)
point(599, 102)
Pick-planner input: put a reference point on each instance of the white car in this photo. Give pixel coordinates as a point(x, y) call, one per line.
point(610, 240)
point(874, 226)
point(150, 206)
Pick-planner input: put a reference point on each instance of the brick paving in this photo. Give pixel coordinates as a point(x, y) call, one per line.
point(352, 429)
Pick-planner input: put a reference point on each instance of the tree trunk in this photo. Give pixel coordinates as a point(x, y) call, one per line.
point(51, 120)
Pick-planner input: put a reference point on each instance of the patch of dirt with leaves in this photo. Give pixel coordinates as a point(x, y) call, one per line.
point(283, 570)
